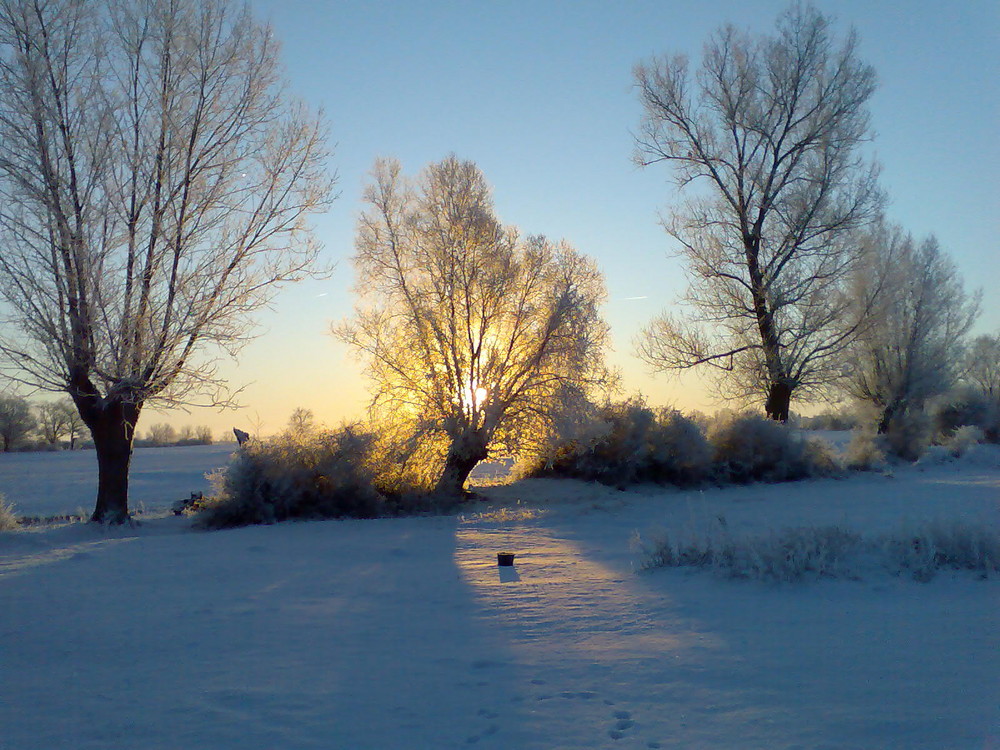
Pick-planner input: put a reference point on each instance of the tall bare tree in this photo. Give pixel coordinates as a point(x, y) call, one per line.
point(912, 345)
point(154, 183)
point(472, 335)
point(764, 138)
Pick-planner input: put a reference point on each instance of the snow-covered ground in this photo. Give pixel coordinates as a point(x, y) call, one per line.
point(404, 633)
point(65, 482)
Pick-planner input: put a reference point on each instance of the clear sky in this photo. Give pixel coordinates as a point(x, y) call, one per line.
point(539, 94)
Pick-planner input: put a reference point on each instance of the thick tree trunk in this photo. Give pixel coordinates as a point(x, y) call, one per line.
point(113, 429)
point(778, 401)
point(461, 460)
point(780, 394)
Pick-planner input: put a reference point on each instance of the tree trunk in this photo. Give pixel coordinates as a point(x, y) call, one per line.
point(886, 419)
point(778, 401)
point(780, 394)
point(113, 429)
point(461, 460)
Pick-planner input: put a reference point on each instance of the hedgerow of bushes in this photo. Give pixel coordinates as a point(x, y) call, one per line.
point(312, 474)
point(635, 443)
point(296, 475)
point(627, 443)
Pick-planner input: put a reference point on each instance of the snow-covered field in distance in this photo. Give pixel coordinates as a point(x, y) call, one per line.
point(403, 633)
point(64, 482)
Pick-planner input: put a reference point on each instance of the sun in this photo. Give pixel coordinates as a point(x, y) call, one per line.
point(473, 398)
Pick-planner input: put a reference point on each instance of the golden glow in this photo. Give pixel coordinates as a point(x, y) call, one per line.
point(473, 398)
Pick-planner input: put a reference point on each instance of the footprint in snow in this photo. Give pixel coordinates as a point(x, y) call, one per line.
point(623, 722)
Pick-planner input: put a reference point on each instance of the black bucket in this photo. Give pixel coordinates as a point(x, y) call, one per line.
point(505, 559)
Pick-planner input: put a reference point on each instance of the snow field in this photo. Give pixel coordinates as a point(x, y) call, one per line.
point(404, 633)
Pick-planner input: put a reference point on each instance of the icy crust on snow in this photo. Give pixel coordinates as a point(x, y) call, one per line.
point(404, 633)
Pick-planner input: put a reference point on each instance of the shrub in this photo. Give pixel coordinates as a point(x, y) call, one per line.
point(8, 521)
point(965, 407)
point(833, 552)
point(629, 443)
point(863, 452)
point(748, 448)
point(908, 435)
point(964, 438)
point(325, 475)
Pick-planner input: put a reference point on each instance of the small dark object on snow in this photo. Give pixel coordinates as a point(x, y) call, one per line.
point(186, 504)
point(241, 437)
point(505, 559)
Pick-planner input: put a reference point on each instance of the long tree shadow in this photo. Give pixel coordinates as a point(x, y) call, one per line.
point(328, 635)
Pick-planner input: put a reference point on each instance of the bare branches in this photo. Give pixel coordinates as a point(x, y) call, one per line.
point(154, 186)
point(770, 130)
point(468, 331)
point(912, 344)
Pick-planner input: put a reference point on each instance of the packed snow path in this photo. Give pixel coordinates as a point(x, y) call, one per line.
point(405, 633)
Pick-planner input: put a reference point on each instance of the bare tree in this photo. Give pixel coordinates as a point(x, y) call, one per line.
point(162, 433)
point(55, 419)
point(982, 367)
point(16, 421)
point(765, 141)
point(912, 346)
point(472, 335)
point(302, 421)
point(154, 181)
point(75, 427)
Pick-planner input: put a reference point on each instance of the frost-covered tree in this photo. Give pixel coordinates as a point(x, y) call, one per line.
point(912, 344)
point(16, 421)
point(982, 367)
point(155, 178)
point(471, 334)
point(764, 139)
point(302, 421)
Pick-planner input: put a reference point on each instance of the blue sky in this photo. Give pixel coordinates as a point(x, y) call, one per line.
point(539, 95)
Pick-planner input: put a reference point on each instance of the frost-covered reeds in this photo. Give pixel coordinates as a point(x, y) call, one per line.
point(8, 521)
point(814, 552)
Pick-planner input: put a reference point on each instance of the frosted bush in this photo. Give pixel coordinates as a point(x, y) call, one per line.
point(863, 452)
point(629, 443)
point(821, 458)
point(296, 475)
point(963, 439)
point(908, 435)
point(8, 521)
point(749, 448)
point(963, 407)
